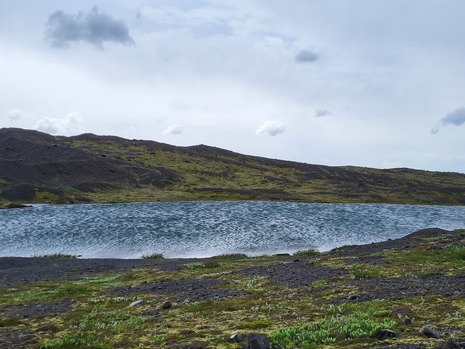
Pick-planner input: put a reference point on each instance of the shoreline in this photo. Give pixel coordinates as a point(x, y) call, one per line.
point(23, 270)
point(399, 285)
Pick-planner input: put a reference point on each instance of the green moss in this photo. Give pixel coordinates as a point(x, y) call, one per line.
point(46, 197)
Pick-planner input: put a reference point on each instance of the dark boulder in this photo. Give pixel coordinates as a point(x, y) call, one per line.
point(383, 334)
point(236, 338)
point(167, 305)
point(257, 341)
point(429, 332)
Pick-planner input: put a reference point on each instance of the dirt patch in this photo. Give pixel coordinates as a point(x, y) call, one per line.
point(406, 287)
point(371, 260)
point(35, 310)
point(16, 338)
point(295, 274)
point(15, 271)
point(183, 289)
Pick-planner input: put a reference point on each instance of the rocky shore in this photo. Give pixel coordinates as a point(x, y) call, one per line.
point(405, 293)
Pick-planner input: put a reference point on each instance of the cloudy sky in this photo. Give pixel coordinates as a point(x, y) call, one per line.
point(335, 82)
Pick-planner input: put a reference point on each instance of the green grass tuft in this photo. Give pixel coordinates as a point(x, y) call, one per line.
point(308, 253)
point(76, 340)
point(153, 256)
point(231, 256)
point(360, 273)
point(456, 254)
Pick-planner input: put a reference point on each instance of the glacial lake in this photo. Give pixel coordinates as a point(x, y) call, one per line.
point(200, 229)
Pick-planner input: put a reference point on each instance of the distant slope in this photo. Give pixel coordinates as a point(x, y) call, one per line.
point(37, 167)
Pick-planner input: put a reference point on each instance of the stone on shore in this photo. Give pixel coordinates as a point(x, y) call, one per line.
point(136, 303)
point(257, 341)
point(407, 321)
point(236, 338)
point(429, 332)
point(383, 334)
point(167, 305)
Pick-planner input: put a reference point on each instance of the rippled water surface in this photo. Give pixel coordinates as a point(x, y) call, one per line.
point(209, 228)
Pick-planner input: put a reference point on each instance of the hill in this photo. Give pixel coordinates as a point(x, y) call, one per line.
point(38, 167)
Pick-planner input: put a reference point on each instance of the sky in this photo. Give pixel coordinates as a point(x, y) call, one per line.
point(336, 82)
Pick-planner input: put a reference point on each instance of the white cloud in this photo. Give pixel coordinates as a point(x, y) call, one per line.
point(17, 114)
point(173, 130)
point(68, 125)
point(271, 127)
point(322, 112)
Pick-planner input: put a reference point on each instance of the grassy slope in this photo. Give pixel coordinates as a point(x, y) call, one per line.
point(208, 173)
point(38, 167)
point(99, 318)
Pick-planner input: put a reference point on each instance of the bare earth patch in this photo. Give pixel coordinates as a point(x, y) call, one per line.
point(15, 338)
point(184, 289)
point(35, 310)
point(295, 274)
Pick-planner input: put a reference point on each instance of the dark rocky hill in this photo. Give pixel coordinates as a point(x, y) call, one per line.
point(37, 167)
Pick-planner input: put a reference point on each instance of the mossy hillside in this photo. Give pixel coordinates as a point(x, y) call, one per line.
point(220, 175)
point(110, 169)
point(325, 312)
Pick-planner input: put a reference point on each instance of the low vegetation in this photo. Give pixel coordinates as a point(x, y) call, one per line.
point(153, 256)
point(58, 256)
point(345, 298)
point(361, 323)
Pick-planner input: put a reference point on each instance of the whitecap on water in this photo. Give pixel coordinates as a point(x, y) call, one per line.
point(199, 229)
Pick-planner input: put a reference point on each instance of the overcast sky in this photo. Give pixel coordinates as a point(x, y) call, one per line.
point(335, 82)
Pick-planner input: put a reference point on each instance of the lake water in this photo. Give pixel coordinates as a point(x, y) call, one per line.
point(198, 229)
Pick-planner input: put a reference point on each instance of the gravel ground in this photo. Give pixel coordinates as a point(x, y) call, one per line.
point(15, 271)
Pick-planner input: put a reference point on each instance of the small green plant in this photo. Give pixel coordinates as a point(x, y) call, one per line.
point(74, 340)
point(308, 253)
point(153, 256)
point(157, 339)
point(360, 273)
point(456, 254)
point(357, 325)
point(72, 290)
